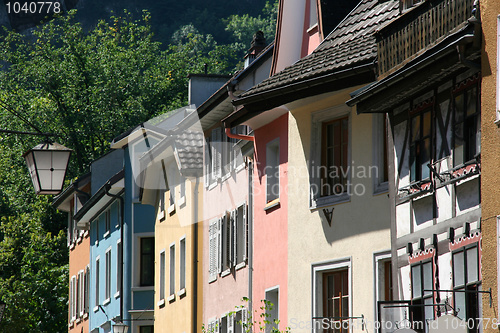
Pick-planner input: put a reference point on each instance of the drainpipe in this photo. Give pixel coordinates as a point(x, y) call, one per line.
point(250, 236)
point(195, 257)
point(238, 136)
point(119, 197)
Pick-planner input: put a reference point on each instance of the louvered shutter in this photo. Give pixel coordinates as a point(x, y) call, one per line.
point(244, 319)
point(208, 162)
point(219, 246)
point(218, 152)
point(81, 300)
point(234, 221)
point(245, 232)
point(230, 323)
point(212, 238)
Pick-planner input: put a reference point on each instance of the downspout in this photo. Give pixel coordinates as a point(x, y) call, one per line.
point(119, 197)
point(195, 257)
point(250, 236)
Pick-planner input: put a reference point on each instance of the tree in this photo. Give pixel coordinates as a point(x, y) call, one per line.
point(87, 87)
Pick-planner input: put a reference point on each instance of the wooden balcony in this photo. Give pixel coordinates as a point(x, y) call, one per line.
point(417, 30)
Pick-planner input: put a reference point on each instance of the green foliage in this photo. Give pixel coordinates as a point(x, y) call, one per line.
point(254, 323)
point(243, 27)
point(87, 87)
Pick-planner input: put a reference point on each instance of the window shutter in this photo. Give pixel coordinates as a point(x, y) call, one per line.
point(245, 232)
point(207, 162)
point(219, 246)
point(230, 323)
point(81, 300)
point(227, 241)
point(244, 319)
point(218, 158)
point(212, 243)
point(87, 285)
point(234, 220)
point(71, 299)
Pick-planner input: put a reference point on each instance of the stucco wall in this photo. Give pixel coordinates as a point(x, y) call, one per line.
point(78, 260)
point(360, 227)
point(224, 294)
point(490, 157)
point(270, 231)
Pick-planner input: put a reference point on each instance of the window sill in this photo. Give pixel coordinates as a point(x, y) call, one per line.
point(212, 186)
point(272, 203)
point(79, 240)
point(85, 234)
point(78, 321)
point(96, 243)
point(381, 188)
point(95, 309)
point(85, 316)
point(313, 29)
point(181, 293)
point(182, 201)
point(497, 122)
point(72, 245)
point(240, 266)
point(171, 298)
point(324, 202)
point(171, 208)
point(106, 234)
point(226, 272)
point(161, 216)
point(106, 301)
point(117, 294)
point(142, 288)
point(161, 303)
point(212, 279)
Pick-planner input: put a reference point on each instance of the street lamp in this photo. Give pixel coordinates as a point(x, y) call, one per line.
point(120, 327)
point(47, 164)
point(2, 309)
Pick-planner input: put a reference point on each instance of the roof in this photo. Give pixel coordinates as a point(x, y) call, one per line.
point(62, 201)
point(350, 44)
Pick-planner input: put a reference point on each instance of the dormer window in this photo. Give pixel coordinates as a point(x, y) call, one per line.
point(407, 4)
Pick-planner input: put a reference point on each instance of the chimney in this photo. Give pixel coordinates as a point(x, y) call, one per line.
point(258, 44)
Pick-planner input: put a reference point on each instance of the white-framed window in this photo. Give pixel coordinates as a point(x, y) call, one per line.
point(107, 222)
point(272, 308)
point(380, 169)
point(330, 178)
point(147, 261)
point(81, 293)
point(182, 263)
point(172, 272)
point(241, 320)
point(97, 278)
point(332, 292)
point(272, 171)
point(119, 266)
point(162, 277)
point(227, 241)
point(240, 235)
point(222, 156)
point(213, 325)
point(313, 13)
point(107, 276)
point(72, 298)
point(87, 290)
point(182, 191)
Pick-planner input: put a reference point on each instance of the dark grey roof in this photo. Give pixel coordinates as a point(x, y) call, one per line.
point(189, 146)
point(350, 44)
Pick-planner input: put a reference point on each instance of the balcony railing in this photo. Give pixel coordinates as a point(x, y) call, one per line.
point(419, 29)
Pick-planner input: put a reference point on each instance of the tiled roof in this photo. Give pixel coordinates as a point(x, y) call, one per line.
point(189, 145)
point(351, 43)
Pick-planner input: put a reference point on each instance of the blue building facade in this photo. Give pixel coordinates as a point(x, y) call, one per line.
point(121, 232)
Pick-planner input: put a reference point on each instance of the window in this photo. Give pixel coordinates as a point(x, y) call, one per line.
point(241, 234)
point(467, 123)
point(97, 234)
point(241, 316)
point(146, 329)
point(182, 270)
point(221, 154)
point(97, 273)
point(272, 309)
point(147, 261)
point(119, 265)
point(313, 13)
point(172, 270)
point(420, 145)
point(107, 286)
point(81, 293)
point(336, 297)
point(72, 298)
point(272, 170)
point(334, 156)
point(421, 282)
point(87, 290)
point(466, 284)
point(227, 241)
point(162, 275)
point(107, 222)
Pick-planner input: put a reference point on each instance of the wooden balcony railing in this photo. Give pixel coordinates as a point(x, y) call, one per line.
point(418, 29)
